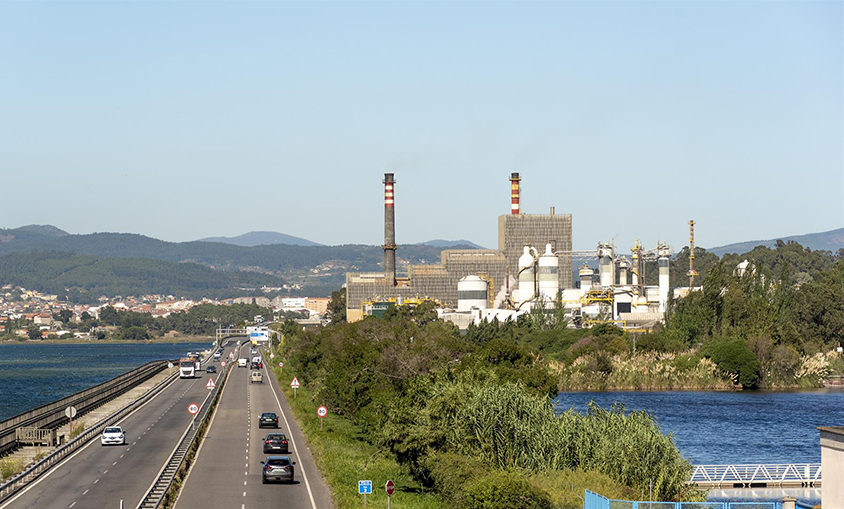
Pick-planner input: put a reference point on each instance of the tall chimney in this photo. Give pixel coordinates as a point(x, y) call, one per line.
point(515, 206)
point(389, 230)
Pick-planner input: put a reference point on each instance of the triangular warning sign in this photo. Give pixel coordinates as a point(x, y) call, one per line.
point(210, 384)
point(295, 383)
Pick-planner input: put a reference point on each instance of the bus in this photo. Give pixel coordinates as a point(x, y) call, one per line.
point(187, 368)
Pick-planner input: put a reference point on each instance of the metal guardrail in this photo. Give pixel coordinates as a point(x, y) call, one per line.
point(19, 481)
point(759, 475)
point(52, 415)
point(167, 475)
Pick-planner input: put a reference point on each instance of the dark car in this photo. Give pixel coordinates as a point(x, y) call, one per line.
point(275, 442)
point(268, 419)
point(210, 369)
point(254, 365)
point(277, 468)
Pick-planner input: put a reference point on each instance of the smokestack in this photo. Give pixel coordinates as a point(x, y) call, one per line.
point(515, 206)
point(389, 230)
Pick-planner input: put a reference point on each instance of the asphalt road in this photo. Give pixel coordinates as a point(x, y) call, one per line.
point(99, 477)
point(227, 470)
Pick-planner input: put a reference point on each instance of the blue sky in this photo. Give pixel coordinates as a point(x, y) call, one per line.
point(191, 119)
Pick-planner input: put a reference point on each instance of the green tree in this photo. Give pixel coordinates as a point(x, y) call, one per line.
point(337, 306)
point(33, 332)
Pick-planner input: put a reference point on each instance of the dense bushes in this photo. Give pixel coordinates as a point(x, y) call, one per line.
point(733, 356)
point(473, 420)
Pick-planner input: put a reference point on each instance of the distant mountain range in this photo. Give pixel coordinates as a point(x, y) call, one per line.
point(447, 244)
point(261, 239)
point(832, 240)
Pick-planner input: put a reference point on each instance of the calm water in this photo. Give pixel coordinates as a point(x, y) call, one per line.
point(34, 374)
point(734, 427)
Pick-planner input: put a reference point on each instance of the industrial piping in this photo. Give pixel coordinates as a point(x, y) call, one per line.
point(389, 230)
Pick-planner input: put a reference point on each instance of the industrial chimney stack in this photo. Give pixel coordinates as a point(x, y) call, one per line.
point(389, 230)
point(515, 206)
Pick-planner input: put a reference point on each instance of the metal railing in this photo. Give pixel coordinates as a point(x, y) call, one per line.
point(592, 500)
point(758, 475)
point(167, 475)
point(31, 473)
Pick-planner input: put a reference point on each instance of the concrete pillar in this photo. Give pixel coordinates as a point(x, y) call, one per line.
point(789, 503)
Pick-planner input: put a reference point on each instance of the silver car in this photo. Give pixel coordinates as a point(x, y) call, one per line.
point(113, 435)
point(277, 468)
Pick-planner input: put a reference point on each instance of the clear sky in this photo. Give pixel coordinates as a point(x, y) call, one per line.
point(192, 119)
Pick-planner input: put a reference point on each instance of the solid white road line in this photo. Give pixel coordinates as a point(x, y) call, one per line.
point(296, 449)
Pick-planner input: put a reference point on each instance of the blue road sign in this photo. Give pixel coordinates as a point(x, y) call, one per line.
point(364, 487)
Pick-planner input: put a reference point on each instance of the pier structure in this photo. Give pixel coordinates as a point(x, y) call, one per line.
point(800, 475)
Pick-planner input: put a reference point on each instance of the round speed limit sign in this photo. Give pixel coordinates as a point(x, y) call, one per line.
point(321, 411)
point(193, 409)
point(281, 364)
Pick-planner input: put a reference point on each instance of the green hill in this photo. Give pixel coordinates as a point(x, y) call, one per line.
point(83, 278)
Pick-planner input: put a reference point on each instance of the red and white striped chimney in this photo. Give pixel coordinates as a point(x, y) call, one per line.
point(389, 230)
point(515, 205)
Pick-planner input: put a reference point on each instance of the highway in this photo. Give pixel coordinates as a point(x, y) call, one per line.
point(99, 477)
point(227, 470)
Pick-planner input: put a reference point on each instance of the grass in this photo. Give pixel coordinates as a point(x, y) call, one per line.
point(10, 467)
point(77, 430)
point(344, 456)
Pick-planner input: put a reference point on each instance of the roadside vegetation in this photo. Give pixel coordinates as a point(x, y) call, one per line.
point(468, 422)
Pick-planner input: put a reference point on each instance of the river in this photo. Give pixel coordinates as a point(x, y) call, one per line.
point(33, 374)
point(715, 428)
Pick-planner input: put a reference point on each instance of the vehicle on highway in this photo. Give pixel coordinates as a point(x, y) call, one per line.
point(254, 365)
point(257, 358)
point(277, 468)
point(187, 368)
point(217, 355)
point(211, 369)
point(268, 419)
point(256, 377)
point(113, 435)
point(241, 363)
point(275, 442)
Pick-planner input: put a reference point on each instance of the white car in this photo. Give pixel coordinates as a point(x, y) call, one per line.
point(256, 359)
point(113, 435)
point(241, 363)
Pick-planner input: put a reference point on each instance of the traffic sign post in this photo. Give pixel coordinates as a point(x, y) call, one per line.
point(70, 413)
point(321, 413)
point(364, 488)
point(222, 364)
point(390, 487)
point(193, 409)
point(210, 385)
point(295, 384)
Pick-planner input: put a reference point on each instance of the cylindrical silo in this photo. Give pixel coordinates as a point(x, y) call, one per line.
point(549, 280)
point(472, 292)
point(663, 276)
point(585, 273)
point(605, 267)
point(623, 265)
point(527, 277)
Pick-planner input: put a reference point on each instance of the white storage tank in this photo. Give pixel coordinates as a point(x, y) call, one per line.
point(549, 268)
point(472, 292)
point(585, 273)
point(527, 277)
point(605, 266)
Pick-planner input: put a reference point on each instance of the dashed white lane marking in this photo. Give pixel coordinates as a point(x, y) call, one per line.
point(95, 482)
point(71, 505)
point(115, 463)
point(85, 492)
point(121, 456)
point(244, 483)
point(244, 493)
point(105, 472)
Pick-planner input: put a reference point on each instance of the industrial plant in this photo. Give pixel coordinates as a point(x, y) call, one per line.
point(533, 266)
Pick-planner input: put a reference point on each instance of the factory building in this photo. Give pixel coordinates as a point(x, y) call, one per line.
point(498, 268)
